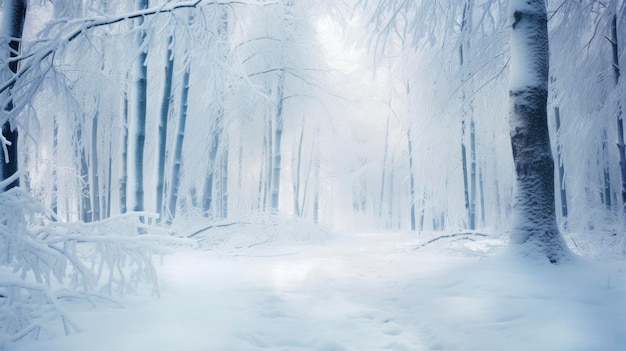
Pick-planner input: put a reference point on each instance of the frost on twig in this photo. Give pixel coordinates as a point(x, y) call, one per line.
point(44, 262)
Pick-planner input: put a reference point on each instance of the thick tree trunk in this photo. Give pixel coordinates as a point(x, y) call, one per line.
point(14, 12)
point(534, 231)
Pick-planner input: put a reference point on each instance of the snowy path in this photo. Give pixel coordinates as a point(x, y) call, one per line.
point(362, 292)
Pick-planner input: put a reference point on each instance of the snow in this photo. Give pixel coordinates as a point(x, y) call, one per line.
point(366, 291)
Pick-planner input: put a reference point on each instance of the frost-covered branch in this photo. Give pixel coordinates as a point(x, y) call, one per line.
point(50, 261)
point(68, 30)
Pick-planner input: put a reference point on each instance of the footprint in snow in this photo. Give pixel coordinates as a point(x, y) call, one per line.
point(331, 346)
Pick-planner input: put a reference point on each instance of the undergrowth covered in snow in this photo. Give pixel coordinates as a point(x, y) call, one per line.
point(44, 261)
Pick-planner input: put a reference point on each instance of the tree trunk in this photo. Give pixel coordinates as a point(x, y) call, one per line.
point(107, 213)
point(178, 149)
point(297, 165)
point(481, 188)
point(316, 191)
point(54, 206)
point(277, 156)
point(605, 196)
point(124, 158)
point(472, 204)
point(469, 180)
point(534, 231)
point(14, 16)
point(562, 191)
point(95, 184)
point(383, 178)
point(411, 181)
point(620, 121)
point(224, 183)
point(137, 128)
point(411, 170)
point(207, 196)
point(86, 211)
point(163, 119)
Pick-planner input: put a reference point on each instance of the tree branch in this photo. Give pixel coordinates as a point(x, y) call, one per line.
point(86, 24)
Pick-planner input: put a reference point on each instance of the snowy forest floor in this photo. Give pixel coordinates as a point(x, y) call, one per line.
point(360, 292)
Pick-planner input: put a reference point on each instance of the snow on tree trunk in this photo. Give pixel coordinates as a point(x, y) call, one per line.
point(178, 148)
point(605, 195)
point(95, 184)
point(207, 198)
point(559, 152)
point(86, 212)
point(278, 133)
point(296, 164)
point(137, 127)
point(383, 178)
point(54, 206)
point(14, 15)
point(124, 158)
point(411, 180)
point(316, 190)
point(620, 122)
point(163, 118)
point(534, 230)
point(224, 183)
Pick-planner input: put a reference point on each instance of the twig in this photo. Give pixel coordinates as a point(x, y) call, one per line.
point(214, 226)
point(448, 236)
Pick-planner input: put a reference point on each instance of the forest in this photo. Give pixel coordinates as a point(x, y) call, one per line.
point(142, 140)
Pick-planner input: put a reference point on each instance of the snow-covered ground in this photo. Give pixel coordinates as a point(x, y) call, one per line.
point(362, 292)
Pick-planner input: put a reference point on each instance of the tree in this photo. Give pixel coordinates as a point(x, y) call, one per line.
point(534, 231)
point(137, 120)
point(178, 146)
point(620, 122)
point(164, 115)
point(14, 16)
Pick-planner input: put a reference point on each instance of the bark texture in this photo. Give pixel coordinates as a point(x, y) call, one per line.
point(534, 230)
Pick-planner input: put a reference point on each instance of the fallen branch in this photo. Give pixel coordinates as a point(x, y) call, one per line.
point(449, 236)
point(214, 226)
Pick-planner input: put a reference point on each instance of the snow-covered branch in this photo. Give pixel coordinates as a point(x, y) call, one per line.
point(50, 261)
point(68, 30)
